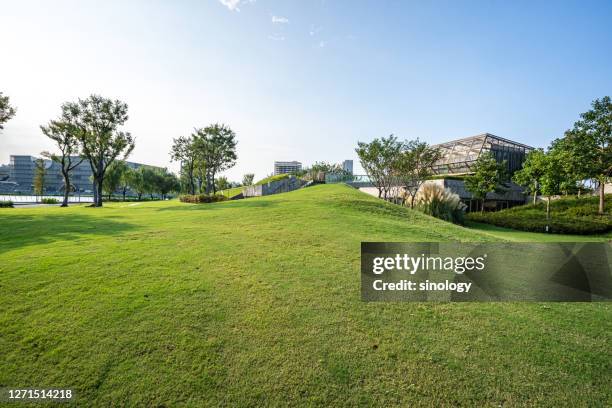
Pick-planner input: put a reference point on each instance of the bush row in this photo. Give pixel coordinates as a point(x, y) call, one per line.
point(49, 201)
point(6, 204)
point(202, 198)
point(535, 221)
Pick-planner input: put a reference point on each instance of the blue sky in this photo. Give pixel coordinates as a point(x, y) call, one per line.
point(306, 80)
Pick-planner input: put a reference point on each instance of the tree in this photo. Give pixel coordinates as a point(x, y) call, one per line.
point(378, 160)
point(530, 175)
point(124, 181)
point(6, 110)
point(216, 146)
point(223, 183)
point(137, 181)
point(113, 177)
point(587, 147)
point(184, 151)
point(97, 121)
point(166, 182)
point(414, 165)
point(247, 179)
point(489, 176)
point(64, 136)
point(39, 177)
point(551, 181)
point(149, 179)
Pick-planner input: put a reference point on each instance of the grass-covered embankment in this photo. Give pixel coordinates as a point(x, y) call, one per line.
point(568, 215)
point(256, 302)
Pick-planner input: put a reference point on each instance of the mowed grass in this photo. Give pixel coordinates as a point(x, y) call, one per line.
point(256, 302)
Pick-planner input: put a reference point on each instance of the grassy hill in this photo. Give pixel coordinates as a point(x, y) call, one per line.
point(256, 302)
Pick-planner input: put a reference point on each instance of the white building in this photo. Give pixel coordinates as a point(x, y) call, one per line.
point(285, 167)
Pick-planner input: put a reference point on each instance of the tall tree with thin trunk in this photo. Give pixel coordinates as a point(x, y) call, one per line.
point(64, 136)
point(6, 110)
point(247, 179)
point(530, 175)
point(40, 171)
point(378, 159)
point(184, 151)
point(97, 121)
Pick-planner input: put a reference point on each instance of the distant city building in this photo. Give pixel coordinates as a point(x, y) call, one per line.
point(281, 167)
point(347, 166)
point(21, 171)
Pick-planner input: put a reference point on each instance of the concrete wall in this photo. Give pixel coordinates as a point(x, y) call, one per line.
point(274, 187)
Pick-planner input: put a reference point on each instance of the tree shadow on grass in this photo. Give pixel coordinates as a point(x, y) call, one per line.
point(244, 203)
point(17, 230)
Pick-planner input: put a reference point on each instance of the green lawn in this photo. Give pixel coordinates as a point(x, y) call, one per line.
point(256, 302)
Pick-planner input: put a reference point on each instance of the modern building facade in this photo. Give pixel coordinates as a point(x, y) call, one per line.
point(286, 167)
point(347, 166)
point(459, 156)
point(22, 169)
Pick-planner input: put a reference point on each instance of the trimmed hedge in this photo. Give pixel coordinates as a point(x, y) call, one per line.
point(567, 216)
point(272, 178)
point(6, 204)
point(202, 198)
point(49, 201)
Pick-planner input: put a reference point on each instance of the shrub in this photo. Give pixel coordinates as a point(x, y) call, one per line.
point(567, 216)
point(49, 201)
point(435, 200)
point(202, 198)
point(6, 204)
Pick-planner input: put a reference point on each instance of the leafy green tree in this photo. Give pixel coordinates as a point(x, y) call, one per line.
point(97, 121)
point(248, 179)
point(150, 180)
point(137, 181)
point(40, 172)
point(587, 147)
point(530, 175)
point(414, 165)
point(378, 160)
point(63, 134)
point(223, 183)
point(489, 176)
point(166, 183)
point(124, 181)
point(216, 146)
point(113, 177)
point(184, 151)
point(6, 110)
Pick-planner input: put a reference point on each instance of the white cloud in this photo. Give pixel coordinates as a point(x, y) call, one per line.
point(233, 4)
point(276, 37)
point(280, 20)
point(322, 44)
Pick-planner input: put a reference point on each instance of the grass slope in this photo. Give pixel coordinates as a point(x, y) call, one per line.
point(256, 302)
point(569, 215)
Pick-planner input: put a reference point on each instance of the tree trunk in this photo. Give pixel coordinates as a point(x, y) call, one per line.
point(535, 193)
point(482, 206)
point(602, 196)
point(99, 204)
point(124, 194)
point(66, 190)
point(548, 214)
point(95, 194)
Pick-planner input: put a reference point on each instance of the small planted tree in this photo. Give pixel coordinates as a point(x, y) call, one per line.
point(489, 176)
point(39, 177)
point(64, 136)
point(414, 165)
point(6, 110)
point(530, 176)
point(223, 183)
point(247, 179)
point(378, 159)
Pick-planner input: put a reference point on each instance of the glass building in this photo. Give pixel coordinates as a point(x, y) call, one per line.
point(459, 156)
